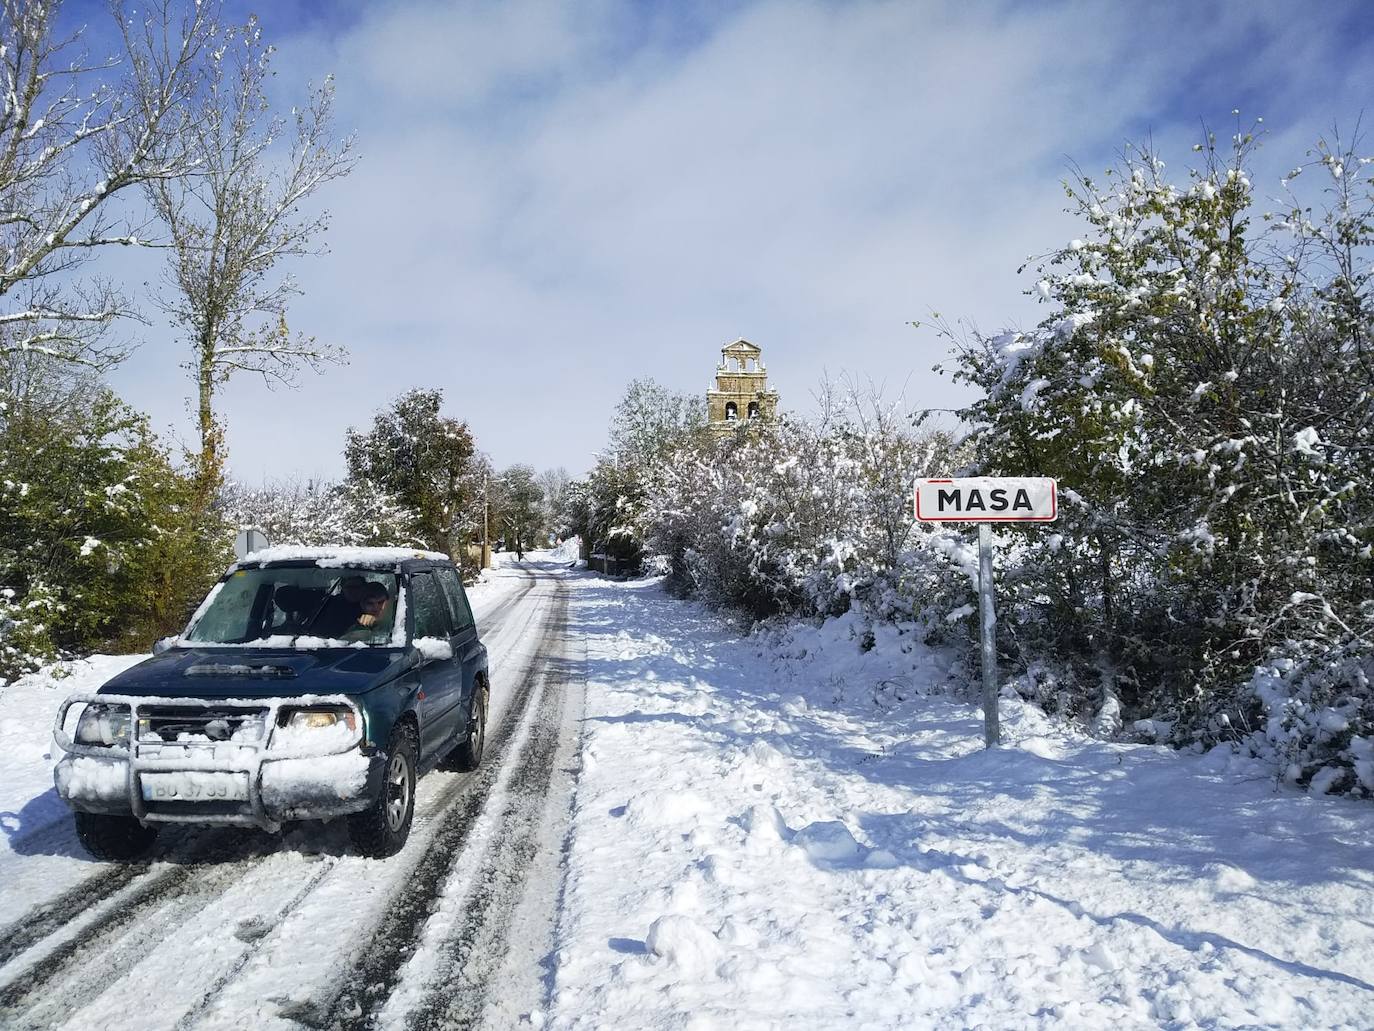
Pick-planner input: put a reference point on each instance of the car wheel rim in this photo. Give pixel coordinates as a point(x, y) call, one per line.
point(478, 730)
point(397, 792)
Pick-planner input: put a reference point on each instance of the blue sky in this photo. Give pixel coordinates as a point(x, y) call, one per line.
point(553, 199)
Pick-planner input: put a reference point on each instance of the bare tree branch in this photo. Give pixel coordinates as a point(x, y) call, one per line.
point(75, 132)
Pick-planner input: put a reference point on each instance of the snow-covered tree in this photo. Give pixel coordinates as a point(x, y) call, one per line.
point(649, 425)
point(1203, 392)
point(517, 507)
point(417, 460)
point(554, 483)
point(77, 131)
point(316, 514)
point(235, 220)
point(807, 516)
point(99, 544)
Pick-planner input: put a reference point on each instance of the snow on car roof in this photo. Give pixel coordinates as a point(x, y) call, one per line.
point(341, 556)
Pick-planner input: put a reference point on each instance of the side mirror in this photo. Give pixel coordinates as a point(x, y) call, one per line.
point(163, 644)
point(431, 649)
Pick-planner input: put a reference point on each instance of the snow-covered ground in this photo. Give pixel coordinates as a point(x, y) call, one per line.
point(794, 832)
point(782, 830)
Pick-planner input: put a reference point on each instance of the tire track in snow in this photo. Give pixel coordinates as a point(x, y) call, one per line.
point(311, 883)
point(456, 996)
point(379, 966)
point(51, 916)
point(113, 947)
point(54, 915)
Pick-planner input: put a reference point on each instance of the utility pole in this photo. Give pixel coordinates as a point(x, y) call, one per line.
point(486, 544)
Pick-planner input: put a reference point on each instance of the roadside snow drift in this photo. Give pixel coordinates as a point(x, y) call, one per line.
point(795, 832)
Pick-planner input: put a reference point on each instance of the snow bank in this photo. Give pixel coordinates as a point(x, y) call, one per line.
point(684, 943)
point(567, 551)
point(39, 854)
point(829, 843)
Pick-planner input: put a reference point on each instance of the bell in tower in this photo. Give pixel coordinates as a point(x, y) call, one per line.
point(741, 394)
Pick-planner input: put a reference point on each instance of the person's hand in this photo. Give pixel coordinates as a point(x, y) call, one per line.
point(367, 619)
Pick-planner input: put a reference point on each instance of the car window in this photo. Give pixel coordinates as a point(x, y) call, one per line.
point(457, 599)
point(431, 614)
point(303, 603)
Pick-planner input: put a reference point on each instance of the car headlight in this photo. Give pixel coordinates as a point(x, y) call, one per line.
point(106, 725)
point(321, 718)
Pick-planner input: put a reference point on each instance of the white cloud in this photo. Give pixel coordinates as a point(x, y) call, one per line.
point(554, 199)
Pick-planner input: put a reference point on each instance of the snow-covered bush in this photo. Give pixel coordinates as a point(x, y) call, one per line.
point(1317, 719)
point(1204, 392)
point(96, 523)
point(798, 516)
point(26, 629)
point(317, 514)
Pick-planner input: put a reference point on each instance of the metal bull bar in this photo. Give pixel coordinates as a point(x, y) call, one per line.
point(248, 757)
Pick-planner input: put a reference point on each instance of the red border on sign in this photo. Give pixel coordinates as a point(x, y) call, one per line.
point(1054, 509)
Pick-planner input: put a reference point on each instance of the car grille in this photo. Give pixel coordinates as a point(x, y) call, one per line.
point(170, 723)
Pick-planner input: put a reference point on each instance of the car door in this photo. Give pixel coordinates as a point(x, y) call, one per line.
point(466, 646)
point(441, 671)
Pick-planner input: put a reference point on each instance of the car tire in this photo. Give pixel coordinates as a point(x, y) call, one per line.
point(115, 838)
point(468, 754)
point(382, 828)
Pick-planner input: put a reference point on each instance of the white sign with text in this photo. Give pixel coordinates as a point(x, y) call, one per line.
point(987, 499)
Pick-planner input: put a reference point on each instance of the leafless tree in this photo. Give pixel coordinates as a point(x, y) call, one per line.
point(235, 219)
point(75, 133)
point(555, 483)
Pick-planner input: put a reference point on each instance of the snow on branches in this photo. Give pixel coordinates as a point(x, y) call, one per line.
point(1205, 385)
point(75, 132)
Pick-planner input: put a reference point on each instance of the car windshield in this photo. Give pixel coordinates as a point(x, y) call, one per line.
point(299, 607)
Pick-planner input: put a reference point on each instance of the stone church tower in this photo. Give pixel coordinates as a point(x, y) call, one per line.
point(741, 390)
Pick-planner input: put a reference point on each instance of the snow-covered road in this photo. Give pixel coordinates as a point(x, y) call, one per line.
point(680, 827)
point(242, 930)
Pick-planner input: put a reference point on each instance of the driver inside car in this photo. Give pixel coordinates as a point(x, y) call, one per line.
point(372, 621)
point(340, 611)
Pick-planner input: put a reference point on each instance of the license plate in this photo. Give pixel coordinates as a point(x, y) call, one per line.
point(194, 786)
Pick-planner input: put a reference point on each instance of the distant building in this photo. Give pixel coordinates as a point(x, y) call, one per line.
point(741, 392)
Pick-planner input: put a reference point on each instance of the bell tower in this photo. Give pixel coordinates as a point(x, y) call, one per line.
point(741, 394)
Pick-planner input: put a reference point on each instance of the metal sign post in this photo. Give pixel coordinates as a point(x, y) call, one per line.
point(986, 500)
point(987, 617)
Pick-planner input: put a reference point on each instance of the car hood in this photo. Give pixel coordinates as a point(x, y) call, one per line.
point(258, 672)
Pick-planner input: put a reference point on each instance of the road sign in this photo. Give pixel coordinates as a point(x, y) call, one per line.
point(249, 541)
point(986, 500)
